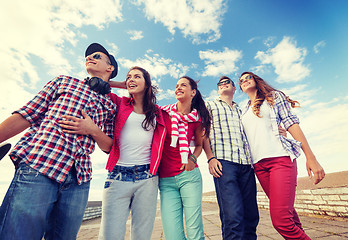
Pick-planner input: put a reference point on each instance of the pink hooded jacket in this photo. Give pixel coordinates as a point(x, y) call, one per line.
point(125, 108)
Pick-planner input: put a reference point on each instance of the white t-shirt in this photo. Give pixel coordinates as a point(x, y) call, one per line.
point(262, 141)
point(135, 142)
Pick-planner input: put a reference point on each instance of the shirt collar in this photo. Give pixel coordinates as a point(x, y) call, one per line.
point(220, 100)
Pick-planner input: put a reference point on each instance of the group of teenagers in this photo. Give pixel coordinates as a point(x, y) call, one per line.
point(150, 148)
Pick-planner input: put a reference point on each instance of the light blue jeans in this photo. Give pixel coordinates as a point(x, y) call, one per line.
point(182, 194)
point(129, 189)
point(37, 206)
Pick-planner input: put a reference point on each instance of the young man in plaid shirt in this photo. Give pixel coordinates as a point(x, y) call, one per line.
point(230, 164)
point(49, 192)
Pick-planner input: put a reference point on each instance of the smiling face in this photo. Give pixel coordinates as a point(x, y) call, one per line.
point(225, 86)
point(135, 82)
point(98, 64)
point(247, 82)
point(184, 91)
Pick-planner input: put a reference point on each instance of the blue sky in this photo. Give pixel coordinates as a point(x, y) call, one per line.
point(297, 46)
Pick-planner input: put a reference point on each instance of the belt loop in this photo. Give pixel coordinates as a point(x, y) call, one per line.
point(119, 175)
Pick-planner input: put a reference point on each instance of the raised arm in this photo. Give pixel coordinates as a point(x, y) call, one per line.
point(12, 126)
point(312, 164)
point(115, 84)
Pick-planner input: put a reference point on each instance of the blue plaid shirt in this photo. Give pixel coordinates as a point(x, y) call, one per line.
point(282, 114)
point(227, 138)
point(45, 147)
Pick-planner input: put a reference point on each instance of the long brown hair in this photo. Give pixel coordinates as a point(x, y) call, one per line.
point(199, 105)
point(265, 91)
point(149, 101)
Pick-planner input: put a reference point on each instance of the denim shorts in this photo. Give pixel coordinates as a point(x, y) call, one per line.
point(129, 174)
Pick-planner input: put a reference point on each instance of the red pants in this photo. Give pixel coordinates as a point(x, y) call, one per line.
point(278, 178)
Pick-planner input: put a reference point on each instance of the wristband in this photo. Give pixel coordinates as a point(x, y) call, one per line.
point(193, 158)
point(210, 159)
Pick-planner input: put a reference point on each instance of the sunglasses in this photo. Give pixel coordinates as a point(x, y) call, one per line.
point(96, 56)
point(241, 81)
point(227, 81)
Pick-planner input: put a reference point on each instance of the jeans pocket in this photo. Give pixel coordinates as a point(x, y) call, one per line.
point(155, 180)
point(27, 174)
point(195, 175)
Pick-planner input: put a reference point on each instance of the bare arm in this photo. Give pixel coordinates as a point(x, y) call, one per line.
point(215, 167)
point(115, 84)
point(197, 151)
point(12, 126)
point(86, 126)
point(312, 164)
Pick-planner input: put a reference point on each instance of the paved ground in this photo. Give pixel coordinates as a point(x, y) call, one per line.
point(317, 227)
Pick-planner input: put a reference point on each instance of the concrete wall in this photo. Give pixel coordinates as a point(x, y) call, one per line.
point(323, 201)
point(329, 197)
point(93, 210)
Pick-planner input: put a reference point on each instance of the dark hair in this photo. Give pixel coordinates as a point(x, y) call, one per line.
point(264, 91)
point(149, 101)
point(199, 104)
point(225, 77)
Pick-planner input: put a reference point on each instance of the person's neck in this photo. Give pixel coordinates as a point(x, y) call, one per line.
point(227, 98)
point(184, 107)
point(252, 96)
point(105, 78)
point(138, 103)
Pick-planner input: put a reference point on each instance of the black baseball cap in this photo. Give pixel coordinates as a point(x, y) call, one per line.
point(96, 47)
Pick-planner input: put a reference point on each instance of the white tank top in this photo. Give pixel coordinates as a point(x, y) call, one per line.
point(263, 143)
point(135, 142)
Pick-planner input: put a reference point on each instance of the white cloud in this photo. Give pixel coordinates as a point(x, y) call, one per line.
point(12, 97)
point(301, 93)
point(220, 63)
point(167, 94)
point(171, 39)
point(325, 127)
point(259, 70)
point(212, 96)
point(113, 50)
point(318, 46)
point(269, 41)
point(135, 35)
point(197, 19)
point(287, 60)
point(253, 39)
point(40, 31)
point(156, 65)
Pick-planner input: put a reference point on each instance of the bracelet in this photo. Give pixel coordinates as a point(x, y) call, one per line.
point(210, 159)
point(193, 158)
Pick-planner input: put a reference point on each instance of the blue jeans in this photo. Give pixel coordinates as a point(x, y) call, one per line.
point(129, 189)
point(37, 206)
point(236, 195)
point(182, 193)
